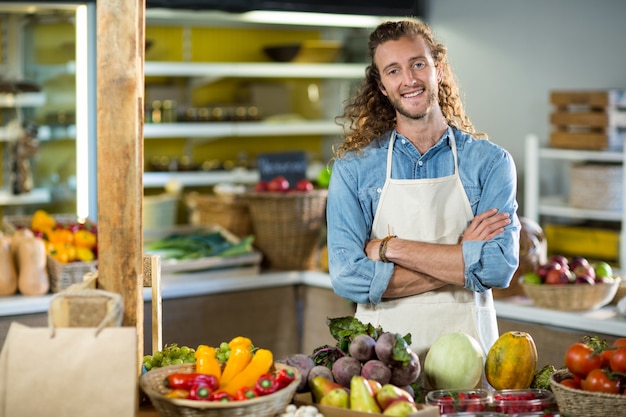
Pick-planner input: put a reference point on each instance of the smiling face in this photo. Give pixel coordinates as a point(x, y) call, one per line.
point(408, 77)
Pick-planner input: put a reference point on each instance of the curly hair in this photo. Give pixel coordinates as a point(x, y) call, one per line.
point(369, 113)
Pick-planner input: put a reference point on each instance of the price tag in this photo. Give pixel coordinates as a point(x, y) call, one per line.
point(291, 165)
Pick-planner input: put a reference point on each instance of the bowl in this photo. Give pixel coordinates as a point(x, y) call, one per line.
point(620, 293)
point(571, 297)
point(459, 401)
point(311, 51)
point(523, 401)
point(151, 383)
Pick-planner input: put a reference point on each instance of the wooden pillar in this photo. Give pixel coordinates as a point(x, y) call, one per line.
point(120, 91)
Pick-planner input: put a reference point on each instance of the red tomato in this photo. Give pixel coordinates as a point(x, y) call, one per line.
point(618, 360)
point(598, 381)
point(571, 383)
point(279, 184)
point(580, 359)
point(621, 342)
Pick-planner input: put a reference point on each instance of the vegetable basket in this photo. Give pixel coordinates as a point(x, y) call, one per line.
point(571, 297)
point(266, 406)
point(229, 211)
point(287, 226)
point(576, 402)
point(61, 275)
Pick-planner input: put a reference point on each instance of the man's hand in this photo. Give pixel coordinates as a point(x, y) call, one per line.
point(486, 225)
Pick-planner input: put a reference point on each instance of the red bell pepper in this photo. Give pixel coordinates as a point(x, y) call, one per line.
point(221, 396)
point(266, 385)
point(285, 377)
point(187, 380)
point(200, 392)
point(246, 393)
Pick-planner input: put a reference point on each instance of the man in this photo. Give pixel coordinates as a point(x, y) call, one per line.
point(421, 208)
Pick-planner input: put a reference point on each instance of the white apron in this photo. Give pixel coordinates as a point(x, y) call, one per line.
point(432, 210)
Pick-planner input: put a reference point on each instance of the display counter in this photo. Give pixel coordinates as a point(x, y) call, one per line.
point(288, 309)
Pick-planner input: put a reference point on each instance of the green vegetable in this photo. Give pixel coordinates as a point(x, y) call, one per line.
point(199, 244)
point(541, 380)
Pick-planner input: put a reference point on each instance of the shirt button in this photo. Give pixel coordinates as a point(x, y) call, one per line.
point(404, 141)
point(379, 190)
point(420, 163)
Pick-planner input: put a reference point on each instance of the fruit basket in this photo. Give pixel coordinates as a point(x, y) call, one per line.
point(576, 402)
point(61, 275)
point(288, 226)
point(151, 383)
point(571, 297)
point(620, 293)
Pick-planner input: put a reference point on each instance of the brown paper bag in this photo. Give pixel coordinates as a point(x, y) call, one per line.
point(69, 372)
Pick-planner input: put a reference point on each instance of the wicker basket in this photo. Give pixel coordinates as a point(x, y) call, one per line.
point(229, 211)
point(61, 275)
point(596, 186)
point(288, 226)
point(267, 406)
point(571, 297)
point(576, 402)
point(620, 293)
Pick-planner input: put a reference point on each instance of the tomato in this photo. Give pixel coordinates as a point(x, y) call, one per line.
point(580, 359)
point(599, 381)
point(621, 342)
point(571, 383)
point(618, 360)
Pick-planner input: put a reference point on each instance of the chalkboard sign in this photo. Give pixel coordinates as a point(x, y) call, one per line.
point(291, 165)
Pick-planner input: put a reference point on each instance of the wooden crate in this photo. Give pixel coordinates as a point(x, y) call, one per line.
point(593, 120)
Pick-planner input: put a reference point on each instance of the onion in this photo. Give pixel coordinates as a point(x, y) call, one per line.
point(454, 361)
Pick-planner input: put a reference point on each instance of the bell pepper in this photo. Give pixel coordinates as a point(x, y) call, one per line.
point(200, 392)
point(84, 239)
point(187, 380)
point(285, 377)
point(42, 221)
point(221, 396)
point(206, 362)
point(240, 356)
point(240, 341)
point(260, 364)
point(246, 393)
point(178, 393)
point(266, 385)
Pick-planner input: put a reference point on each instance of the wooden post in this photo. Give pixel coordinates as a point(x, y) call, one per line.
point(120, 93)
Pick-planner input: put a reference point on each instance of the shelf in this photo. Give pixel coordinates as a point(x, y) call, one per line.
point(37, 196)
point(558, 206)
point(581, 155)
point(198, 178)
point(8, 100)
point(240, 129)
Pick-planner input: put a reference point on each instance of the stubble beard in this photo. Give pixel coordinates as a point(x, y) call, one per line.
point(430, 103)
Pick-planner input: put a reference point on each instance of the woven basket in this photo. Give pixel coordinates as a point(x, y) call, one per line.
point(576, 402)
point(267, 406)
point(596, 186)
point(229, 211)
point(571, 297)
point(61, 275)
point(620, 293)
point(288, 226)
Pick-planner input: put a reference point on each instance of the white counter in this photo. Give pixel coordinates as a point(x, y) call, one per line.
point(603, 321)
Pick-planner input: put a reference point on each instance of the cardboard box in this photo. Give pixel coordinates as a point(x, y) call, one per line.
point(328, 411)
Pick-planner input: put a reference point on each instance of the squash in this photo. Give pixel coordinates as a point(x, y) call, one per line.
point(511, 361)
point(32, 277)
point(8, 274)
point(15, 243)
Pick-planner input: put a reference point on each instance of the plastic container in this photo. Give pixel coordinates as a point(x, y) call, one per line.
point(459, 401)
point(523, 401)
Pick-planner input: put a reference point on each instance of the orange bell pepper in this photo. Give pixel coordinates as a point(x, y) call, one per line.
point(85, 239)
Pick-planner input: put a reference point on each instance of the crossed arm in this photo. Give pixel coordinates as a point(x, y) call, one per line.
point(437, 265)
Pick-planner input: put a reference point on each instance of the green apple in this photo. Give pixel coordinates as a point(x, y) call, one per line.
point(603, 269)
point(531, 278)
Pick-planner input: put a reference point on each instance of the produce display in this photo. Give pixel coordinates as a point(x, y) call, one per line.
point(575, 270)
point(198, 244)
point(235, 371)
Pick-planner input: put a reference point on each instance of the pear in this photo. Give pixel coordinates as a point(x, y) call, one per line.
point(389, 394)
point(400, 408)
point(338, 397)
point(361, 397)
point(321, 386)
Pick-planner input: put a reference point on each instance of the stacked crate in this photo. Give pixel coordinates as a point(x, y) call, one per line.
point(592, 120)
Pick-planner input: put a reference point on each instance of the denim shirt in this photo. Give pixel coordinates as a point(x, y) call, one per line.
point(488, 175)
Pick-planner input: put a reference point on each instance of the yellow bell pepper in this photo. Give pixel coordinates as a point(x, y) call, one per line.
point(85, 239)
point(42, 221)
point(240, 356)
point(260, 364)
point(206, 362)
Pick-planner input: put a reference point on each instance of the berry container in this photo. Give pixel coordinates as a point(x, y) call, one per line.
point(523, 401)
point(459, 401)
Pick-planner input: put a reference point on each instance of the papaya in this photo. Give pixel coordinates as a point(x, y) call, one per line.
point(511, 361)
